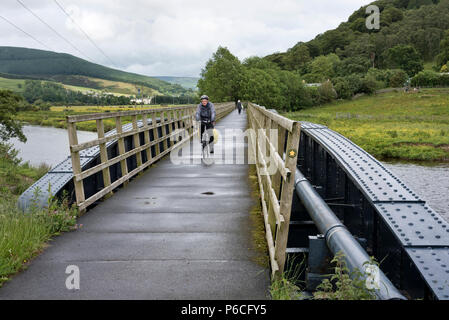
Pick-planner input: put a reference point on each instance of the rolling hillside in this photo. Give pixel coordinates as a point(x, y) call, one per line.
point(186, 82)
point(70, 70)
point(421, 24)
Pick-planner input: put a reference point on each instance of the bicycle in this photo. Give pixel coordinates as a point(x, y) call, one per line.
point(205, 142)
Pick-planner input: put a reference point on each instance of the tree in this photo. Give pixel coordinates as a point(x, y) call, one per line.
point(391, 15)
point(443, 56)
point(327, 92)
point(222, 77)
point(404, 57)
point(324, 67)
point(297, 57)
point(259, 63)
point(343, 88)
point(9, 106)
point(397, 78)
point(262, 87)
point(415, 4)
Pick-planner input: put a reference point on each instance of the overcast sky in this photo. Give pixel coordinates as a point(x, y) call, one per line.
point(170, 37)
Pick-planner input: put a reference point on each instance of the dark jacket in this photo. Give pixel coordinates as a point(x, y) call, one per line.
point(239, 105)
point(207, 112)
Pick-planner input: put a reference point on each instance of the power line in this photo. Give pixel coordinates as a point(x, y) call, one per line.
point(87, 36)
point(51, 28)
point(29, 35)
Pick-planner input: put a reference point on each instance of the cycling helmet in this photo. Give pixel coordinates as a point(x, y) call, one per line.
point(204, 97)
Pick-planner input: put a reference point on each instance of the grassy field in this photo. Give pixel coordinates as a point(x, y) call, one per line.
point(23, 236)
point(396, 125)
point(15, 85)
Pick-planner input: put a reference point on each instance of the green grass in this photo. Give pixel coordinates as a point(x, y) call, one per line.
point(15, 85)
point(23, 236)
point(395, 125)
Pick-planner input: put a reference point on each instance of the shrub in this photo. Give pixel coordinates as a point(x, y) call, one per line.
point(327, 92)
point(343, 88)
point(428, 78)
point(343, 284)
point(397, 78)
point(369, 85)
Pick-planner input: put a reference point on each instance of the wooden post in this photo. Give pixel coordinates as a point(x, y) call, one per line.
point(136, 139)
point(155, 134)
point(121, 146)
point(176, 118)
point(170, 128)
point(287, 195)
point(76, 164)
point(164, 130)
point(103, 155)
point(146, 135)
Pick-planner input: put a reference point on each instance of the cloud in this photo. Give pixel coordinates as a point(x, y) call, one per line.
point(170, 37)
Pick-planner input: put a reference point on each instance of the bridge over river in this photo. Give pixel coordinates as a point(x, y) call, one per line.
point(160, 223)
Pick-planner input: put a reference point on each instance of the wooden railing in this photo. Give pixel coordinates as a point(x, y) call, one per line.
point(177, 127)
point(278, 151)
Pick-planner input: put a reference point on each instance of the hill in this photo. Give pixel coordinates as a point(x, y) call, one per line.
point(421, 24)
point(186, 82)
point(68, 69)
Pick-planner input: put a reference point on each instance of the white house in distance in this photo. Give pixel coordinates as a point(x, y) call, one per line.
point(142, 101)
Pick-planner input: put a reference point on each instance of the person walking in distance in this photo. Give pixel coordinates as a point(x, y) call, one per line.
point(206, 114)
point(239, 106)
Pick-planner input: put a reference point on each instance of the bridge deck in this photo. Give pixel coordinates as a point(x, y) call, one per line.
point(161, 237)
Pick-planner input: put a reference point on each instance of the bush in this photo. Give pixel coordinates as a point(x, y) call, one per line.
point(429, 78)
point(369, 85)
point(355, 82)
point(397, 78)
point(343, 88)
point(327, 92)
point(312, 96)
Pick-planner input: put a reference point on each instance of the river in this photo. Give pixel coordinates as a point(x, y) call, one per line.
point(47, 145)
point(51, 146)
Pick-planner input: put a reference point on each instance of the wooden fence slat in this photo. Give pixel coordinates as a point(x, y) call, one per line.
point(287, 195)
point(121, 146)
point(103, 154)
point(136, 140)
point(76, 163)
point(146, 136)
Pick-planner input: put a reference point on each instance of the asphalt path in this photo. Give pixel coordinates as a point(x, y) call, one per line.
point(181, 230)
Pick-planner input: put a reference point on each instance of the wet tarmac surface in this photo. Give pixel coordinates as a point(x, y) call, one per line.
point(179, 231)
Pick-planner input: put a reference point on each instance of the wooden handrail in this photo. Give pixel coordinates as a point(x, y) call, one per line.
point(181, 118)
point(276, 188)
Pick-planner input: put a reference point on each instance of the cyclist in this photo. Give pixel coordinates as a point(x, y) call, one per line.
point(206, 114)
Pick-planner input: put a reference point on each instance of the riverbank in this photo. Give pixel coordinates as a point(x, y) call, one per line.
point(393, 125)
point(24, 236)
